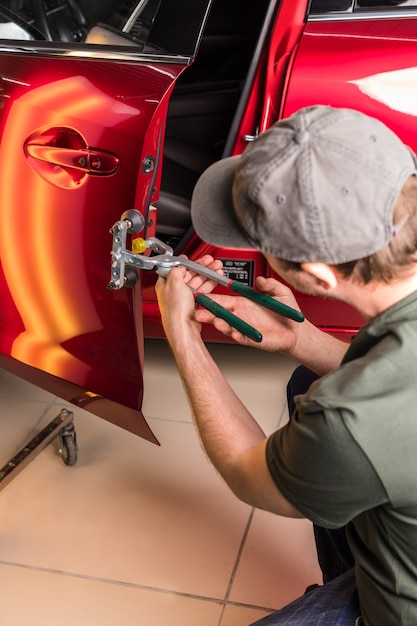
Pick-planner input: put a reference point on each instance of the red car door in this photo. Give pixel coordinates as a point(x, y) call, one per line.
point(81, 131)
point(358, 54)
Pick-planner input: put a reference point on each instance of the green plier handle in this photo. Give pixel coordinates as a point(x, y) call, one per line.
point(228, 316)
point(266, 301)
point(256, 296)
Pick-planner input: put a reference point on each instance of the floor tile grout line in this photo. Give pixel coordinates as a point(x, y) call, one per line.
point(137, 586)
point(239, 554)
point(237, 561)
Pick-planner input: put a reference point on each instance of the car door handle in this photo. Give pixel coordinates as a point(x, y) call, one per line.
point(85, 160)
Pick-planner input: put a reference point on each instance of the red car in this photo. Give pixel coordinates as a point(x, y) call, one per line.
point(108, 107)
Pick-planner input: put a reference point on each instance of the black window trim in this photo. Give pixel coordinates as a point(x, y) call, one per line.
point(352, 17)
point(353, 13)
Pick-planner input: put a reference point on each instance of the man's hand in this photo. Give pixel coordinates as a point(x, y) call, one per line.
point(176, 300)
point(279, 333)
point(302, 341)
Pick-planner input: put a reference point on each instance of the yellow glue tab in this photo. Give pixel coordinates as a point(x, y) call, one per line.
point(138, 245)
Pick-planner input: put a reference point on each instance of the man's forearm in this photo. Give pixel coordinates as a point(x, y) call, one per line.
point(232, 439)
point(225, 425)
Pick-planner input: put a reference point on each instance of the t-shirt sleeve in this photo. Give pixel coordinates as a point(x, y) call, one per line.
point(321, 469)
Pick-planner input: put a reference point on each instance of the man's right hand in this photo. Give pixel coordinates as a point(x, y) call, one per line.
point(302, 341)
point(279, 333)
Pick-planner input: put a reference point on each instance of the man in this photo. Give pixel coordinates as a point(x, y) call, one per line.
point(329, 196)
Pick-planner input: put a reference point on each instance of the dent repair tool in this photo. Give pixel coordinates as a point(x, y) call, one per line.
point(164, 260)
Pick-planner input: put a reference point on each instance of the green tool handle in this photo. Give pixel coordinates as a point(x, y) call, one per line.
point(266, 301)
point(227, 316)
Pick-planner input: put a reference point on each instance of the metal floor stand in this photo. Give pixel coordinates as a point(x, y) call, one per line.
point(63, 428)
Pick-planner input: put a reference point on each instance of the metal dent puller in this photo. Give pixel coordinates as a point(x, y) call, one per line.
point(122, 260)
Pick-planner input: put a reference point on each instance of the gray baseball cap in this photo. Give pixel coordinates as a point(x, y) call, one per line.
point(320, 185)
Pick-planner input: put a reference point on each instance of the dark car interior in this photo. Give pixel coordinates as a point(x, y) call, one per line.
point(202, 108)
point(205, 97)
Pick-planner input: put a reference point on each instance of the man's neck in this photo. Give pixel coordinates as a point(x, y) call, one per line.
point(371, 299)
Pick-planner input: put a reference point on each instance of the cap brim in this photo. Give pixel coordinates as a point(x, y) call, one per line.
point(212, 212)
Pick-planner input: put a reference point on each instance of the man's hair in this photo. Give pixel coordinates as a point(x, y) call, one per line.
point(387, 263)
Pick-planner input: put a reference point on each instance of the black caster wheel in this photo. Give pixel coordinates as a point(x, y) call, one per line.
point(68, 448)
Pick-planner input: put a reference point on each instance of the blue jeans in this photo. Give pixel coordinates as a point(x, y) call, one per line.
point(336, 602)
point(333, 604)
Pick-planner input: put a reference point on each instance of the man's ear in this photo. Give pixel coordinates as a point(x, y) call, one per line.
point(324, 274)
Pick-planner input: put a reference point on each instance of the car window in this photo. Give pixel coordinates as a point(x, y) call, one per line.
point(157, 25)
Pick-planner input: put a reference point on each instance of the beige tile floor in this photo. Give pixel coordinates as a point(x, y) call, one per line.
point(140, 535)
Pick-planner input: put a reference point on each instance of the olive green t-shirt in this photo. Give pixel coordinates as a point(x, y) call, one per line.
point(348, 456)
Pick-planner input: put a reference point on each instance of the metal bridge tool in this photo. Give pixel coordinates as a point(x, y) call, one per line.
point(123, 260)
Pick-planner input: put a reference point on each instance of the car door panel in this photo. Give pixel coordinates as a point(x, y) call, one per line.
point(369, 64)
point(79, 130)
